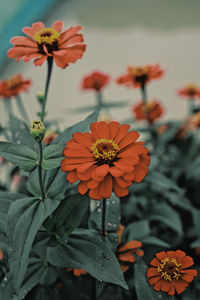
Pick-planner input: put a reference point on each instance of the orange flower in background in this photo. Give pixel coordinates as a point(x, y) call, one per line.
point(190, 124)
point(155, 111)
point(13, 86)
point(169, 272)
point(77, 272)
point(65, 47)
point(190, 91)
point(1, 254)
point(106, 159)
point(137, 77)
point(95, 81)
point(49, 137)
point(125, 254)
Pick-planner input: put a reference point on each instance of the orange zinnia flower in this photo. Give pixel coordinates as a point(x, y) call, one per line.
point(190, 91)
point(13, 86)
point(169, 273)
point(41, 43)
point(154, 108)
point(125, 254)
point(137, 77)
point(95, 81)
point(1, 255)
point(106, 159)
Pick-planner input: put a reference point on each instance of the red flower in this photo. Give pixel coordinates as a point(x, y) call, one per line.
point(41, 43)
point(169, 273)
point(137, 77)
point(190, 91)
point(125, 254)
point(154, 108)
point(95, 81)
point(106, 159)
point(13, 86)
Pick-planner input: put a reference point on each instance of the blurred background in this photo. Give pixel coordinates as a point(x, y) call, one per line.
point(117, 33)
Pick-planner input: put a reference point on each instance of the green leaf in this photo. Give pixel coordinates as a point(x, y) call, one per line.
point(167, 215)
point(70, 212)
point(53, 154)
point(25, 216)
point(20, 155)
point(137, 230)
point(20, 132)
point(152, 240)
point(85, 250)
point(54, 182)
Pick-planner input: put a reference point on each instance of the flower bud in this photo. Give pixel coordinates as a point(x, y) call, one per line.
point(40, 96)
point(37, 130)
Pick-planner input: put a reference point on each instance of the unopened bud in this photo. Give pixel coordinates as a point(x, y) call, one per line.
point(37, 130)
point(40, 96)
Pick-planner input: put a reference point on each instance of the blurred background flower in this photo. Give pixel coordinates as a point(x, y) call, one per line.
point(118, 33)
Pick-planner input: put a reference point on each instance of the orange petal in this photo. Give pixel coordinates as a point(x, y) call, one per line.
point(100, 129)
point(152, 272)
point(84, 167)
point(123, 183)
point(57, 25)
point(186, 262)
point(157, 285)
point(105, 187)
point(128, 139)
point(20, 51)
point(113, 128)
point(139, 173)
point(153, 280)
point(39, 61)
point(37, 26)
point(92, 184)
point(190, 272)
point(102, 171)
point(23, 41)
point(179, 255)
point(123, 167)
point(180, 286)
point(123, 130)
point(171, 291)
point(130, 246)
point(128, 176)
point(161, 255)
point(165, 286)
point(94, 195)
point(72, 176)
point(120, 192)
point(82, 187)
point(115, 172)
point(155, 262)
point(187, 277)
point(67, 34)
point(28, 31)
point(87, 174)
point(76, 39)
point(82, 138)
point(127, 257)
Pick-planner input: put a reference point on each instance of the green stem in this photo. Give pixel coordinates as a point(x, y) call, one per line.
point(49, 71)
point(191, 106)
point(22, 109)
point(8, 108)
point(145, 102)
point(99, 99)
point(40, 169)
point(103, 228)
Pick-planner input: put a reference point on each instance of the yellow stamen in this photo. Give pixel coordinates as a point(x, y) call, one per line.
point(46, 36)
point(104, 149)
point(169, 269)
point(139, 71)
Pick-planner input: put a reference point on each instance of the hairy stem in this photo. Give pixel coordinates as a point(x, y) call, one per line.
point(49, 71)
point(191, 106)
point(99, 99)
point(22, 109)
point(145, 102)
point(40, 169)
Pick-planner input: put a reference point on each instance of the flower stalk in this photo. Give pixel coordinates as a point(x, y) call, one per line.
point(99, 99)
point(191, 106)
point(145, 101)
point(103, 228)
point(49, 71)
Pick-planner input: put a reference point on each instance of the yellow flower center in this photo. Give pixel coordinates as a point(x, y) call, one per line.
point(13, 82)
point(105, 150)
point(46, 36)
point(169, 269)
point(139, 71)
